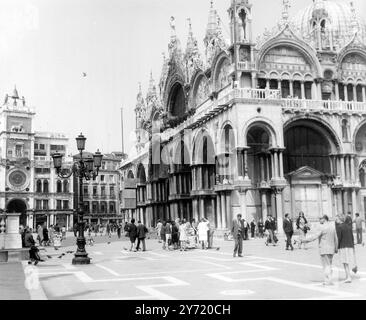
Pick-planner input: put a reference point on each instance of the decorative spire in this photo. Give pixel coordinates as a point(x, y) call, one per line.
point(354, 23)
point(174, 44)
point(140, 99)
point(285, 11)
point(15, 93)
point(152, 87)
point(172, 27)
point(212, 22)
point(192, 45)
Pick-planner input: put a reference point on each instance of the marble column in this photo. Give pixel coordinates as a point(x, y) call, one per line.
point(331, 164)
point(279, 210)
point(345, 201)
point(273, 165)
point(275, 155)
point(314, 94)
point(212, 217)
point(223, 210)
point(364, 93)
point(354, 202)
point(243, 205)
point(342, 167)
point(246, 175)
point(218, 211)
point(254, 80)
point(302, 90)
point(229, 214)
point(264, 205)
point(319, 89)
point(336, 86)
point(291, 82)
point(239, 156)
point(354, 93)
point(202, 213)
point(345, 92)
point(195, 209)
point(268, 159)
point(347, 165)
point(280, 155)
point(353, 178)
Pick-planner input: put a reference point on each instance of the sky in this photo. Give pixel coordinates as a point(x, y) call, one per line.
point(47, 45)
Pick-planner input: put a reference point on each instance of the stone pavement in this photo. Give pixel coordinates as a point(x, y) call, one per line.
point(263, 273)
point(12, 279)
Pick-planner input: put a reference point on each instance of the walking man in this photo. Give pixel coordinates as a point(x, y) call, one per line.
point(141, 235)
point(328, 246)
point(289, 231)
point(358, 222)
point(237, 231)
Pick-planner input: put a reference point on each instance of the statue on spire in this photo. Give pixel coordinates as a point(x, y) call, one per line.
point(172, 27)
point(285, 12)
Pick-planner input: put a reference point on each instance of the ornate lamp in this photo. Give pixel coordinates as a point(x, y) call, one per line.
point(84, 168)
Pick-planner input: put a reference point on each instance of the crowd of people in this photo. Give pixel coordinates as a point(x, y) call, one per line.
point(180, 234)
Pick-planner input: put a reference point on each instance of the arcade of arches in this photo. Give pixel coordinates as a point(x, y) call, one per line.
point(309, 174)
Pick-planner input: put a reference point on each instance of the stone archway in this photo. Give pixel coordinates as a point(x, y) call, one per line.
point(18, 206)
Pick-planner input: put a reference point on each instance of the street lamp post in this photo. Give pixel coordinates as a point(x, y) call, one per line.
point(85, 168)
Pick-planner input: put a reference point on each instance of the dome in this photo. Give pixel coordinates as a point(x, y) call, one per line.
point(338, 18)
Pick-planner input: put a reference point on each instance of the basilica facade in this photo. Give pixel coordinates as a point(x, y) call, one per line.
point(263, 125)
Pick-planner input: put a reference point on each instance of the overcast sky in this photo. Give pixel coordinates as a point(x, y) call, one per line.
point(46, 45)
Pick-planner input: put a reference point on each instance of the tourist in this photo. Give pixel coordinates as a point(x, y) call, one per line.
point(75, 229)
point(141, 235)
point(328, 246)
point(108, 230)
point(194, 226)
point(358, 222)
point(168, 236)
point(289, 231)
point(303, 227)
point(22, 234)
point(33, 250)
point(46, 239)
point(252, 228)
point(183, 238)
point(202, 229)
point(237, 231)
point(63, 231)
point(175, 234)
point(132, 233)
point(345, 246)
point(246, 229)
point(268, 226)
point(119, 228)
point(260, 228)
point(210, 234)
point(40, 234)
point(348, 221)
point(158, 230)
point(163, 233)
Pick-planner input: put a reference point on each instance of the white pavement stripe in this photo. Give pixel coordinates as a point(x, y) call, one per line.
point(69, 266)
point(303, 264)
point(154, 273)
point(156, 294)
point(32, 283)
point(107, 269)
point(157, 254)
point(212, 263)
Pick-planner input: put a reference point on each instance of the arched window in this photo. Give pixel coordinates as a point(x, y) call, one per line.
point(39, 186)
point(59, 186)
point(66, 186)
point(45, 186)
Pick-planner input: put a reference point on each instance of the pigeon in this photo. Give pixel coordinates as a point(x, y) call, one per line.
point(49, 257)
point(217, 249)
point(84, 74)
point(109, 242)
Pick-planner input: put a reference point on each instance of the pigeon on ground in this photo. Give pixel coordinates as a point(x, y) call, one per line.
point(49, 257)
point(217, 249)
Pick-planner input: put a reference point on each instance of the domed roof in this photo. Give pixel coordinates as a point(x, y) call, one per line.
point(344, 21)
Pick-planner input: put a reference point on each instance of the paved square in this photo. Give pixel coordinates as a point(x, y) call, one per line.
point(263, 273)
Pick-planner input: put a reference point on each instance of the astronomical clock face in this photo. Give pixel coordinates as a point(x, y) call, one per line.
point(17, 180)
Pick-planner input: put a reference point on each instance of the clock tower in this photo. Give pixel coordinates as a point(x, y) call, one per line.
point(16, 156)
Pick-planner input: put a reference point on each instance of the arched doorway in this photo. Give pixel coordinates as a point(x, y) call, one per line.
point(309, 168)
point(18, 206)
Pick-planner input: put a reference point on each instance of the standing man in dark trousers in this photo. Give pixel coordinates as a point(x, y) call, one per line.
point(289, 231)
point(141, 235)
point(237, 231)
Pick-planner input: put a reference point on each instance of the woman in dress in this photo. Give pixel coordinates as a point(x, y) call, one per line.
point(202, 229)
point(175, 234)
point(183, 237)
point(302, 226)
